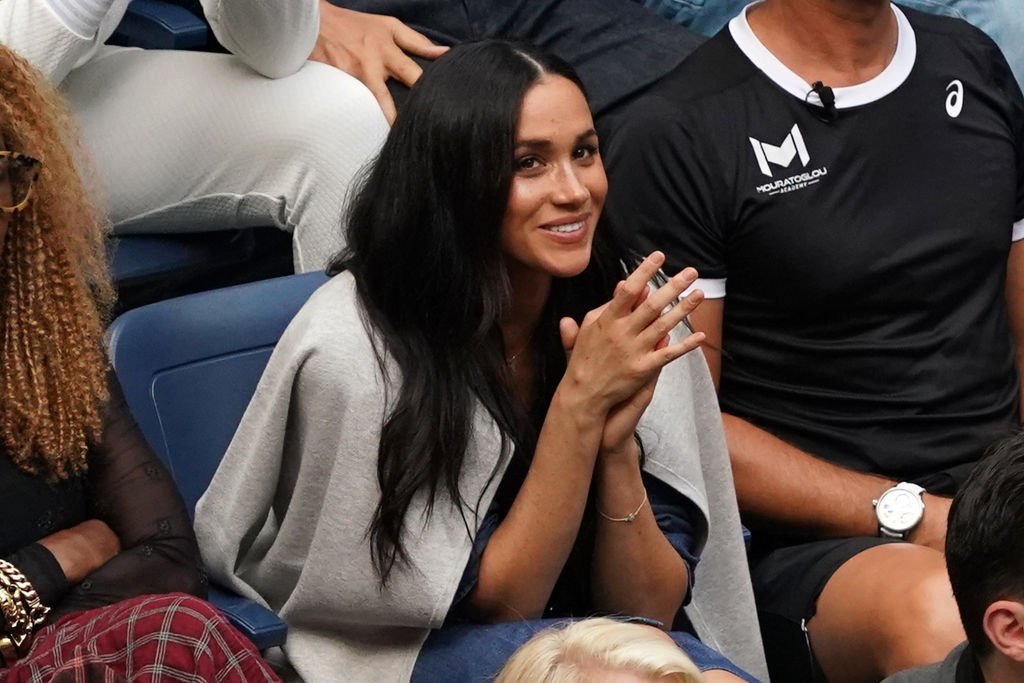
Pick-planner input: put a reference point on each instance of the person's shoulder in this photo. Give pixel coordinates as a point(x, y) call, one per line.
point(330, 321)
point(948, 31)
point(942, 672)
point(952, 45)
point(332, 307)
point(712, 70)
point(702, 95)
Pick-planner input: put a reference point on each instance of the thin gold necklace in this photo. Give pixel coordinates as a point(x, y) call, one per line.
point(510, 361)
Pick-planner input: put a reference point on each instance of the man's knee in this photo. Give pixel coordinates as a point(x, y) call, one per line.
point(925, 625)
point(886, 609)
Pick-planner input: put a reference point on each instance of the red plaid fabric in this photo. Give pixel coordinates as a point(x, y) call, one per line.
point(157, 638)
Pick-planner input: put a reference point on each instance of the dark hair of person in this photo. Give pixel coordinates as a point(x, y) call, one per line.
point(984, 543)
point(424, 247)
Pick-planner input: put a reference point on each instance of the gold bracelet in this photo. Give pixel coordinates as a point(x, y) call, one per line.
point(628, 518)
point(37, 611)
point(22, 611)
point(8, 652)
point(18, 631)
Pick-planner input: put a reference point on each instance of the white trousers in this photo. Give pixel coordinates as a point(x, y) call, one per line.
point(194, 141)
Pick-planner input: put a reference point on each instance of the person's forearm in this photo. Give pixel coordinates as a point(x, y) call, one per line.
point(43, 571)
point(782, 486)
point(1015, 308)
point(636, 571)
point(526, 554)
point(165, 565)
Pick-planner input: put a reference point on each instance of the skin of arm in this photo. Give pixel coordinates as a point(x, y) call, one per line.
point(620, 550)
point(783, 486)
point(616, 354)
point(1015, 305)
point(83, 548)
point(636, 570)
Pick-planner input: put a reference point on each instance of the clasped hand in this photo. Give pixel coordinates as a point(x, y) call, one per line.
point(616, 355)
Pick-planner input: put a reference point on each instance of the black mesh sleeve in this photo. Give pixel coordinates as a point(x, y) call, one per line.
point(133, 493)
point(40, 567)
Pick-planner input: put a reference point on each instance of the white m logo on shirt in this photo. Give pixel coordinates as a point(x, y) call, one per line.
point(782, 155)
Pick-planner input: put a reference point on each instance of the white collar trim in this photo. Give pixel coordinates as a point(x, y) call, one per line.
point(875, 89)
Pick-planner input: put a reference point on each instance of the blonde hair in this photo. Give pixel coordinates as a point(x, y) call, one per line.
point(55, 294)
point(571, 654)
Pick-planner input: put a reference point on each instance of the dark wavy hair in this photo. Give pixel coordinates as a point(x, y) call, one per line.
point(984, 546)
point(424, 247)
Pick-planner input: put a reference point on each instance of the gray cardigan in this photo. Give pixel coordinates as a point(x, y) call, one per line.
point(285, 519)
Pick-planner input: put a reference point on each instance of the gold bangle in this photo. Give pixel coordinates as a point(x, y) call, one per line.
point(628, 518)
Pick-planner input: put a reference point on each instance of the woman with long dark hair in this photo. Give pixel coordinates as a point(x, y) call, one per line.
point(487, 416)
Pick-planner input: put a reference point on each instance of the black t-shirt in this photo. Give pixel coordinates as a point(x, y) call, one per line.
point(862, 259)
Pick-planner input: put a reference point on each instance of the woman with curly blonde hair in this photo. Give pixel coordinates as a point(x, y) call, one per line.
point(600, 651)
point(91, 526)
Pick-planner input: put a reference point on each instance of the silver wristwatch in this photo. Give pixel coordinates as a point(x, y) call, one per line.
point(899, 509)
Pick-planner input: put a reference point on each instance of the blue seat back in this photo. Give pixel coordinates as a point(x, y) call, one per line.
point(161, 24)
point(189, 366)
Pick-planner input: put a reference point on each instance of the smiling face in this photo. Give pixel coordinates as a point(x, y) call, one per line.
point(559, 185)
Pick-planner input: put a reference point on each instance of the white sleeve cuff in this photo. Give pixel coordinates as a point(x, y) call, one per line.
point(81, 17)
point(713, 289)
point(1018, 230)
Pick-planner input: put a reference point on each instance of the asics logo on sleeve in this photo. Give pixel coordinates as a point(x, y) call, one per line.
point(791, 146)
point(955, 98)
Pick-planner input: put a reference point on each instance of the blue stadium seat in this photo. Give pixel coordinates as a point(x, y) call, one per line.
point(188, 367)
point(158, 24)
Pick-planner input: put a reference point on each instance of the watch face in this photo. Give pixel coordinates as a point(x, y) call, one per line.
point(899, 510)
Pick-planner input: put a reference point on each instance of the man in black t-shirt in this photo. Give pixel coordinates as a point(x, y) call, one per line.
point(848, 178)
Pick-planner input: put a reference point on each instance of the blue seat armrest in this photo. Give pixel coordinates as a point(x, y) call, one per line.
point(257, 623)
point(157, 24)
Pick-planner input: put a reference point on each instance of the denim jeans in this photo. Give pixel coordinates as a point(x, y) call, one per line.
point(618, 47)
point(706, 17)
point(475, 653)
point(1002, 20)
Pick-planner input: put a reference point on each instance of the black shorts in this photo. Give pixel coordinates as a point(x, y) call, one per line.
point(788, 577)
point(787, 582)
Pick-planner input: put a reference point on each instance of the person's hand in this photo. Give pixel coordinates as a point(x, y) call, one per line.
point(620, 426)
point(82, 549)
point(372, 48)
point(615, 356)
point(931, 532)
